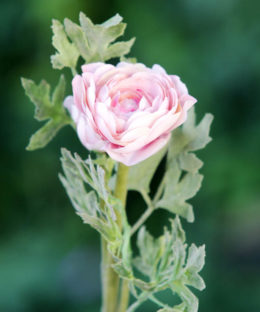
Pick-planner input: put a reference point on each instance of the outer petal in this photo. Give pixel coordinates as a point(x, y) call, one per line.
point(141, 154)
point(89, 136)
point(72, 108)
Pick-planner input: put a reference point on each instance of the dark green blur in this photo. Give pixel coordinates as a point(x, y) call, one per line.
point(49, 260)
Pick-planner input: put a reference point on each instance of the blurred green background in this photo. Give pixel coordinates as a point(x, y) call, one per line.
point(49, 260)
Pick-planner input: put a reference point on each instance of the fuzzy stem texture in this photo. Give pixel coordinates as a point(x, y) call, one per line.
point(110, 280)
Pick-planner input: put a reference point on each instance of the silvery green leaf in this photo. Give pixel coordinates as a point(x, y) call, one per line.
point(150, 252)
point(190, 137)
point(198, 135)
point(97, 206)
point(164, 261)
point(112, 21)
point(77, 36)
point(45, 134)
point(118, 49)
point(67, 54)
point(122, 264)
point(94, 43)
point(189, 299)
point(190, 162)
point(132, 60)
point(163, 257)
point(177, 191)
point(46, 108)
point(195, 262)
point(140, 175)
point(100, 38)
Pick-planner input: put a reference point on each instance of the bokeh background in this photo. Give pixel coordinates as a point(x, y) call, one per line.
point(49, 260)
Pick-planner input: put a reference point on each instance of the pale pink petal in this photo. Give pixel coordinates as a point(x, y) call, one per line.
point(72, 108)
point(159, 69)
point(163, 124)
point(141, 154)
point(88, 136)
point(127, 110)
point(134, 134)
point(179, 85)
point(92, 67)
point(79, 93)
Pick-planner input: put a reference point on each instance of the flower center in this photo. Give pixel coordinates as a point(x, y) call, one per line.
point(128, 105)
point(125, 104)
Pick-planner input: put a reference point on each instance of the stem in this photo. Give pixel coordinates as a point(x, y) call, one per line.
point(110, 280)
point(137, 303)
point(160, 190)
point(142, 219)
point(146, 214)
point(124, 297)
point(150, 206)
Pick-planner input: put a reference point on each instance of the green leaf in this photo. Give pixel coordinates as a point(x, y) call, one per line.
point(77, 36)
point(118, 49)
point(179, 187)
point(85, 185)
point(198, 136)
point(100, 38)
point(178, 191)
point(165, 263)
point(190, 301)
point(67, 54)
point(44, 135)
point(195, 262)
point(46, 108)
point(190, 162)
point(92, 42)
point(140, 175)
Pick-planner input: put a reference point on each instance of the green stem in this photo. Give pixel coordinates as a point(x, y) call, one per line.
point(150, 206)
point(138, 302)
point(124, 297)
point(145, 215)
point(110, 280)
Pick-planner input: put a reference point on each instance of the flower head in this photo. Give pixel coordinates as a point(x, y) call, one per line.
point(128, 110)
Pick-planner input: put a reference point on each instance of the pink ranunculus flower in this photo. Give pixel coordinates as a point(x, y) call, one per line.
point(128, 110)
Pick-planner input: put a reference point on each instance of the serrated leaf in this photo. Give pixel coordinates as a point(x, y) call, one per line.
point(118, 49)
point(178, 191)
point(140, 175)
point(79, 178)
point(198, 136)
point(101, 36)
point(190, 162)
point(93, 42)
point(112, 21)
point(67, 54)
point(190, 300)
point(165, 263)
point(195, 262)
point(44, 135)
point(77, 36)
point(46, 108)
point(132, 60)
point(177, 188)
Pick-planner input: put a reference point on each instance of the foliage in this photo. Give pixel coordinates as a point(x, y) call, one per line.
point(165, 262)
point(46, 108)
point(181, 180)
point(92, 42)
